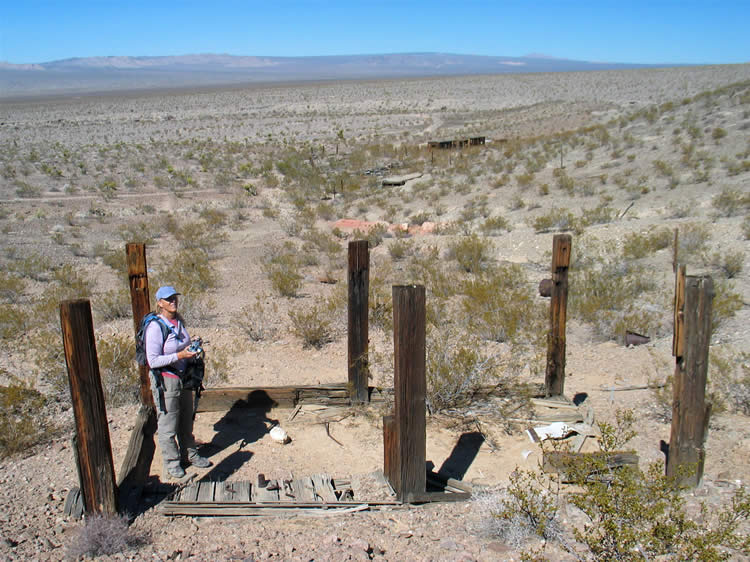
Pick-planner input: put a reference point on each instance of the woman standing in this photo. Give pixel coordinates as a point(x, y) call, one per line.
point(167, 358)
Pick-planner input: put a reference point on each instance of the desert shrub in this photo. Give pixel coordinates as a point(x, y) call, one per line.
point(499, 306)
point(33, 266)
point(282, 269)
point(256, 320)
point(105, 535)
point(692, 240)
point(190, 270)
point(730, 202)
point(557, 220)
point(728, 264)
point(219, 364)
point(639, 245)
point(21, 425)
point(374, 235)
point(399, 249)
point(199, 235)
point(456, 368)
point(726, 303)
point(213, 218)
point(114, 258)
point(612, 295)
point(26, 190)
point(13, 321)
point(614, 436)
point(525, 509)
point(634, 515)
point(11, 287)
point(601, 214)
point(495, 225)
point(313, 325)
point(472, 253)
point(113, 304)
point(728, 380)
point(118, 370)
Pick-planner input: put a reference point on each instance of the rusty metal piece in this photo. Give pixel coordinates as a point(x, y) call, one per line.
point(545, 288)
point(631, 338)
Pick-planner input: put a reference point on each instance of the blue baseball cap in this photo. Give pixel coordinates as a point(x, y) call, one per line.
point(166, 292)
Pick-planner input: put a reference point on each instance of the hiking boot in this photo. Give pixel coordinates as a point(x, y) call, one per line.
point(176, 472)
point(200, 462)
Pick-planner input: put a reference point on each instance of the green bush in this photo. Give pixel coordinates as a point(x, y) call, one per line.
point(190, 270)
point(21, 422)
point(495, 225)
point(473, 253)
point(282, 269)
point(557, 220)
point(499, 306)
point(726, 303)
point(312, 325)
point(456, 369)
point(692, 240)
point(635, 516)
point(729, 264)
point(639, 245)
point(118, 369)
point(730, 202)
point(256, 320)
point(400, 249)
point(113, 304)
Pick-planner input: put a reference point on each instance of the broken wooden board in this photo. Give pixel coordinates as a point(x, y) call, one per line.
point(589, 466)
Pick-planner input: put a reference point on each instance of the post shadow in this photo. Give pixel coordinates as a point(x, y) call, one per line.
point(241, 425)
point(462, 456)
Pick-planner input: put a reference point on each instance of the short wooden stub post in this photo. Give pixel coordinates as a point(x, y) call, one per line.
point(94, 449)
point(358, 327)
point(554, 381)
point(405, 433)
point(137, 462)
point(690, 410)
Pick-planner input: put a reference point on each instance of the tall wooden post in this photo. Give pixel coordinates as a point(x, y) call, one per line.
point(358, 326)
point(136, 465)
point(690, 410)
point(554, 381)
point(94, 449)
point(405, 433)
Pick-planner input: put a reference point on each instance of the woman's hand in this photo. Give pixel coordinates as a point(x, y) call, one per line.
point(186, 354)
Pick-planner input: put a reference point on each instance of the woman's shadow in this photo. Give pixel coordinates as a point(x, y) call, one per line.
point(239, 427)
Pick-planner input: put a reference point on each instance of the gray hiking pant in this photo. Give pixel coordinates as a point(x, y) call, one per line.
point(174, 418)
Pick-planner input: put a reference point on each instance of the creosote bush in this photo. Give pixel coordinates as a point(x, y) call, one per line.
point(472, 252)
point(313, 325)
point(21, 424)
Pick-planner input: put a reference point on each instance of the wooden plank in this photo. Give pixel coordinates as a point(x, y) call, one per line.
point(410, 388)
point(690, 411)
point(304, 490)
point(323, 488)
point(358, 326)
point(243, 491)
point(433, 497)
point(94, 449)
point(263, 495)
point(575, 466)
point(391, 457)
point(206, 491)
point(189, 493)
point(555, 374)
point(225, 492)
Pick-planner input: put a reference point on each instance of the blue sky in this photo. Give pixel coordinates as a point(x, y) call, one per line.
point(638, 31)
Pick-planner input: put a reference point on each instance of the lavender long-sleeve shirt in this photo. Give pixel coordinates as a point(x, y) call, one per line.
point(177, 340)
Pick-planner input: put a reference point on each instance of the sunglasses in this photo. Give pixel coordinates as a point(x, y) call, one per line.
point(173, 298)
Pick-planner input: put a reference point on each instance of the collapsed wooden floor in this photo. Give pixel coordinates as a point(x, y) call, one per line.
point(295, 495)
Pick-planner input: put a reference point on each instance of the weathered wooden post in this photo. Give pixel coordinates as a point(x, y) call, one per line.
point(405, 432)
point(94, 449)
point(358, 329)
point(136, 465)
point(690, 410)
point(554, 381)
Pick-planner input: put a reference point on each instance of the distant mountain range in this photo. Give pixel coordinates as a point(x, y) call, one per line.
point(106, 74)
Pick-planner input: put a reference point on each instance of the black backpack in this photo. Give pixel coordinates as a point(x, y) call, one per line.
point(140, 338)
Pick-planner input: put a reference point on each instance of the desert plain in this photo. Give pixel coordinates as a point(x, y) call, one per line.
point(240, 194)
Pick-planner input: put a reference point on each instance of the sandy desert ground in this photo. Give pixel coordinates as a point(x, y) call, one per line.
point(230, 187)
